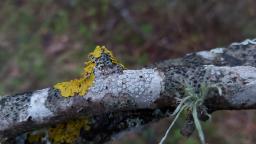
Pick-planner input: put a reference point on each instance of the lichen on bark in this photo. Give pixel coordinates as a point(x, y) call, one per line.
point(81, 85)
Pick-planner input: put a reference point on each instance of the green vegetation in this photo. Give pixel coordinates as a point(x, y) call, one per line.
point(190, 103)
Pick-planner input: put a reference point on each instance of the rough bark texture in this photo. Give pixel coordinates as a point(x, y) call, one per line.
point(130, 98)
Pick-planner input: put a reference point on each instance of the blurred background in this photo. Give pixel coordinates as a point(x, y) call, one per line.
point(43, 42)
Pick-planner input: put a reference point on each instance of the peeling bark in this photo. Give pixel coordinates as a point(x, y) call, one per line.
point(117, 101)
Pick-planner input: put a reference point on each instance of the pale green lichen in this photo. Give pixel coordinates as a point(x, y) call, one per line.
point(81, 85)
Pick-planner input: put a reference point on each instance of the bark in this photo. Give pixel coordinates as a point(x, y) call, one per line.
point(130, 98)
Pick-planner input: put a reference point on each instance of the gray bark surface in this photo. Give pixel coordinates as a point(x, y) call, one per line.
point(130, 98)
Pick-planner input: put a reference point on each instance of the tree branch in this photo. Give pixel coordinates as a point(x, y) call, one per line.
point(117, 101)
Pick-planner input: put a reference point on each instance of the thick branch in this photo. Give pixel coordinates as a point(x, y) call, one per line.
point(138, 93)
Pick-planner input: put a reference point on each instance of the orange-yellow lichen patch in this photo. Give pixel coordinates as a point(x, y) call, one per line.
point(102, 49)
point(80, 86)
point(76, 86)
point(35, 137)
point(68, 132)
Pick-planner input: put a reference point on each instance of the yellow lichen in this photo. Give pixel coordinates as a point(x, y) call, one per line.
point(35, 137)
point(102, 49)
point(68, 132)
point(80, 86)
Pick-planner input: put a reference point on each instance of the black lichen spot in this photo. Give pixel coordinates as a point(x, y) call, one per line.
point(89, 99)
point(29, 118)
point(13, 106)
